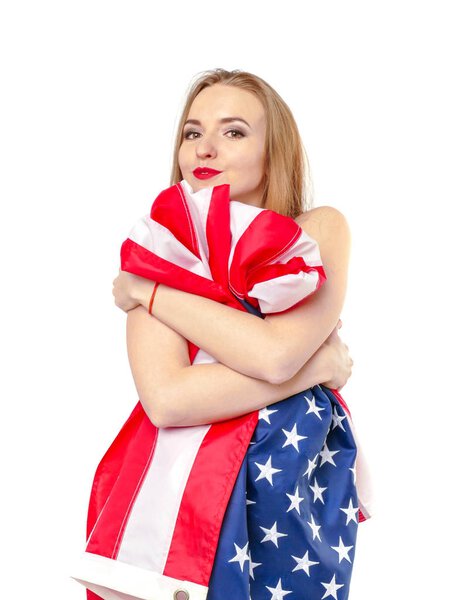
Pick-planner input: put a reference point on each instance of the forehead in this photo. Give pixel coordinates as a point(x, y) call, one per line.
point(219, 101)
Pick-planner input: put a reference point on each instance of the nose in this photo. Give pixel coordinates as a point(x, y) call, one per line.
point(206, 148)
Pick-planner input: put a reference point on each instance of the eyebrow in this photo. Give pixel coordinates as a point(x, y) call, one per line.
point(224, 120)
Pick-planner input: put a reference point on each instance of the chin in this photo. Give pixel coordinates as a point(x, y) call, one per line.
point(199, 184)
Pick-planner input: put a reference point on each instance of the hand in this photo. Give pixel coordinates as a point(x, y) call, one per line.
point(339, 359)
point(131, 290)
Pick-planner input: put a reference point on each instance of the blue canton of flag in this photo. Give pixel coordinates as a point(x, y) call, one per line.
point(291, 524)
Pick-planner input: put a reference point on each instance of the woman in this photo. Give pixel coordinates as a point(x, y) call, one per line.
point(272, 350)
point(236, 130)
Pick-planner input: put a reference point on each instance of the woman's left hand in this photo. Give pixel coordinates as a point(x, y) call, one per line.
point(131, 290)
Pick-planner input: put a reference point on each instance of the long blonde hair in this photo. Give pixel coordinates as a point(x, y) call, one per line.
point(287, 178)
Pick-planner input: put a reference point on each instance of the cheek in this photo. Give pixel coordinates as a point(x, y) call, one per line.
point(254, 162)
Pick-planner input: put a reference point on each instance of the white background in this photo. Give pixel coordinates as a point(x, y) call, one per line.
point(91, 92)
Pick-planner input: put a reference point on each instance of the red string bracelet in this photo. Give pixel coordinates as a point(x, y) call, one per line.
point(152, 296)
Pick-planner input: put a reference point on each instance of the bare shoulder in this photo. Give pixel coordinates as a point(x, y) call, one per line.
point(323, 221)
point(320, 214)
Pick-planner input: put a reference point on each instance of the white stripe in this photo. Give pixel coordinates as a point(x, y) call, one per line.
point(364, 487)
point(158, 239)
point(241, 216)
point(203, 357)
point(114, 580)
point(199, 206)
point(151, 524)
point(283, 292)
point(306, 247)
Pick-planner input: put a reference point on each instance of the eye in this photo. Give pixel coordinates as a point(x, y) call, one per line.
point(188, 133)
point(237, 132)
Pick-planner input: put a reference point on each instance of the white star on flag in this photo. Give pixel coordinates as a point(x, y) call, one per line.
point(252, 566)
point(241, 555)
point(278, 592)
point(311, 466)
point(304, 563)
point(327, 455)
point(342, 550)
point(313, 525)
point(267, 471)
point(272, 535)
point(264, 414)
point(318, 491)
point(331, 588)
point(293, 438)
point(295, 501)
point(313, 408)
point(337, 419)
point(350, 511)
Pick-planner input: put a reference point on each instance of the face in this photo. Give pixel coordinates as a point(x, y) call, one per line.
point(225, 130)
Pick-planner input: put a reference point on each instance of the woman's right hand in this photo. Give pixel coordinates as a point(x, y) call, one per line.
point(338, 358)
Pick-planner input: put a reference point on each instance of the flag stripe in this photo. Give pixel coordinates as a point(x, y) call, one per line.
point(218, 234)
point(270, 297)
point(170, 209)
point(140, 261)
point(106, 536)
point(195, 540)
point(160, 495)
point(110, 466)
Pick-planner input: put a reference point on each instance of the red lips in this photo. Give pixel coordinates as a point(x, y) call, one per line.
point(205, 172)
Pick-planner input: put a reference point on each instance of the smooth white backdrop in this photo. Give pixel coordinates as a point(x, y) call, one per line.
point(91, 92)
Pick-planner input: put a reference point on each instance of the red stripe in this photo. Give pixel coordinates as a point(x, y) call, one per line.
point(264, 240)
point(140, 261)
point(110, 466)
point(206, 497)
point(267, 272)
point(293, 266)
point(219, 236)
point(170, 209)
point(109, 530)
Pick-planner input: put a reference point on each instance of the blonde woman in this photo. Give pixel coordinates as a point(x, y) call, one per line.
point(290, 526)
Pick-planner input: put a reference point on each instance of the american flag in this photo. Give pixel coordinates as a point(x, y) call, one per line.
point(261, 506)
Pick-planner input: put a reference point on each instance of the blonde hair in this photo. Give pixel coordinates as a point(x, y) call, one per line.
point(287, 178)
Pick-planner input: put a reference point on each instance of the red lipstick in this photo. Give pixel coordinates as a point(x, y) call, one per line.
point(205, 172)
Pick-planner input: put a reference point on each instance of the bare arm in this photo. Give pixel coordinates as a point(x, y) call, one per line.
point(174, 393)
point(275, 348)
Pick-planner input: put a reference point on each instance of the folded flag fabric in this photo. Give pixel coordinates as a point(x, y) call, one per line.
point(173, 510)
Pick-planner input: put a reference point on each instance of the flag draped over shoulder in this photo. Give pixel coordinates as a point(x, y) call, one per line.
point(159, 496)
